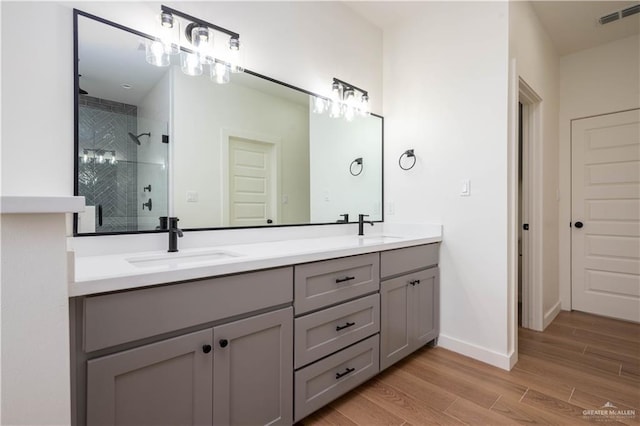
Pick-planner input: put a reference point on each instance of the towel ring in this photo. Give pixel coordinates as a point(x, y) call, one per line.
point(409, 154)
point(357, 162)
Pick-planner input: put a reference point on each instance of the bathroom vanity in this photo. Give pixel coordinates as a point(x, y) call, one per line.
point(265, 344)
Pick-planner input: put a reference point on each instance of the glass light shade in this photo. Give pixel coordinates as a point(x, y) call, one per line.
point(190, 64)
point(349, 96)
point(220, 73)
point(169, 33)
point(336, 92)
point(364, 105)
point(335, 109)
point(349, 112)
point(318, 105)
point(202, 39)
point(235, 56)
point(156, 53)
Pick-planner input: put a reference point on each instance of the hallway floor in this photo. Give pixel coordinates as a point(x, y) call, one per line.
point(579, 364)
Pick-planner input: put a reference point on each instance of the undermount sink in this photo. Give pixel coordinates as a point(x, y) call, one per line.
point(173, 260)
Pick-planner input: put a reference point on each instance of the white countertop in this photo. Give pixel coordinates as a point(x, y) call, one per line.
point(122, 271)
point(25, 204)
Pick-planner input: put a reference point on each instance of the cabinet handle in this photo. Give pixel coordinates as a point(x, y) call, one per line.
point(341, 280)
point(347, 325)
point(224, 343)
point(345, 372)
point(414, 282)
point(206, 349)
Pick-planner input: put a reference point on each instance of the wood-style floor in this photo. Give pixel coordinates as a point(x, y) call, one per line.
point(580, 362)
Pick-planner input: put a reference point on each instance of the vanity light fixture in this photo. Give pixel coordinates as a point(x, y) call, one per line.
point(99, 156)
point(346, 101)
point(198, 46)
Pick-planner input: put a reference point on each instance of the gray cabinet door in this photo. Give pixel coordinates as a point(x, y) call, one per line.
point(396, 328)
point(410, 314)
point(164, 383)
point(253, 370)
point(426, 312)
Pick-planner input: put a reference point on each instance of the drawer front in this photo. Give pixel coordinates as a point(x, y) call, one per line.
point(117, 318)
point(325, 283)
point(400, 261)
point(324, 332)
point(326, 380)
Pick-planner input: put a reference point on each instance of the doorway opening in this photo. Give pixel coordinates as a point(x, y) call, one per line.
point(529, 209)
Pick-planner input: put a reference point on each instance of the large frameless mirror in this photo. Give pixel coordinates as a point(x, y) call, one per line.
point(153, 142)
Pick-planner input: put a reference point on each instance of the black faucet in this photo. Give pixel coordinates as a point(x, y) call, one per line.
point(174, 233)
point(345, 218)
point(361, 223)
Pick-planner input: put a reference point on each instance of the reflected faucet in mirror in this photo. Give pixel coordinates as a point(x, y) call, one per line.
point(345, 218)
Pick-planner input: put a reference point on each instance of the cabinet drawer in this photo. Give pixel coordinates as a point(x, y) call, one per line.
point(324, 332)
point(117, 318)
point(324, 381)
point(401, 261)
point(325, 283)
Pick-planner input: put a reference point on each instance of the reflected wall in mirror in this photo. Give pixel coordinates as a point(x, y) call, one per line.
point(247, 153)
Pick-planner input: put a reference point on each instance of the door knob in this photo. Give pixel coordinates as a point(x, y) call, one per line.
point(224, 343)
point(578, 225)
point(206, 349)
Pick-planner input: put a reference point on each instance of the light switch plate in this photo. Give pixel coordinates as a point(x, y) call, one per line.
point(192, 196)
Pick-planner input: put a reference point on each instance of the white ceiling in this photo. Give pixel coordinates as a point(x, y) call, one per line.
point(572, 25)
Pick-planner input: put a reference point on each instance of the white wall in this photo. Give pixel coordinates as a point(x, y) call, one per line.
point(304, 44)
point(242, 112)
point(445, 91)
point(537, 63)
point(594, 81)
point(333, 144)
point(153, 154)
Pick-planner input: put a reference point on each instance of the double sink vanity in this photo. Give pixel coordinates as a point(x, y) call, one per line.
point(238, 327)
point(251, 333)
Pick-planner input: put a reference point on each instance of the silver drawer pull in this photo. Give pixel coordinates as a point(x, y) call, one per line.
point(347, 325)
point(345, 372)
point(341, 280)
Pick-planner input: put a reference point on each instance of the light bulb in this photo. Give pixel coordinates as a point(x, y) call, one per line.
point(335, 109)
point(364, 105)
point(200, 37)
point(190, 64)
point(220, 73)
point(349, 96)
point(156, 53)
point(335, 92)
point(100, 158)
point(318, 105)
point(113, 157)
point(349, 112)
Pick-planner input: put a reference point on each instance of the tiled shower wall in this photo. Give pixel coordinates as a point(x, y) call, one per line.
point(104, 125)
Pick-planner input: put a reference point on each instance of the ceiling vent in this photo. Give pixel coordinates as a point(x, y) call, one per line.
point(609, 18)
point(619, 14)
point(630, 11)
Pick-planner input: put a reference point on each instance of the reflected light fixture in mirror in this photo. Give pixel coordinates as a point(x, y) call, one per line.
point(346, 101)
point(196, 45)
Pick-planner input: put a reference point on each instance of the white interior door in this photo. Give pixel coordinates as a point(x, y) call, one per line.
point(605, 245)
point(251, 183)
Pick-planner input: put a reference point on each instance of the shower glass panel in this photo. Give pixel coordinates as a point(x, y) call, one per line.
point(121, 173)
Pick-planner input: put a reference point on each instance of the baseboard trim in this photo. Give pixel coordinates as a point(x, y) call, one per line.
point(503, 361)
point(551, 314)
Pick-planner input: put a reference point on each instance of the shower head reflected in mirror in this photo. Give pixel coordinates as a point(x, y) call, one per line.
point(136, 139)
